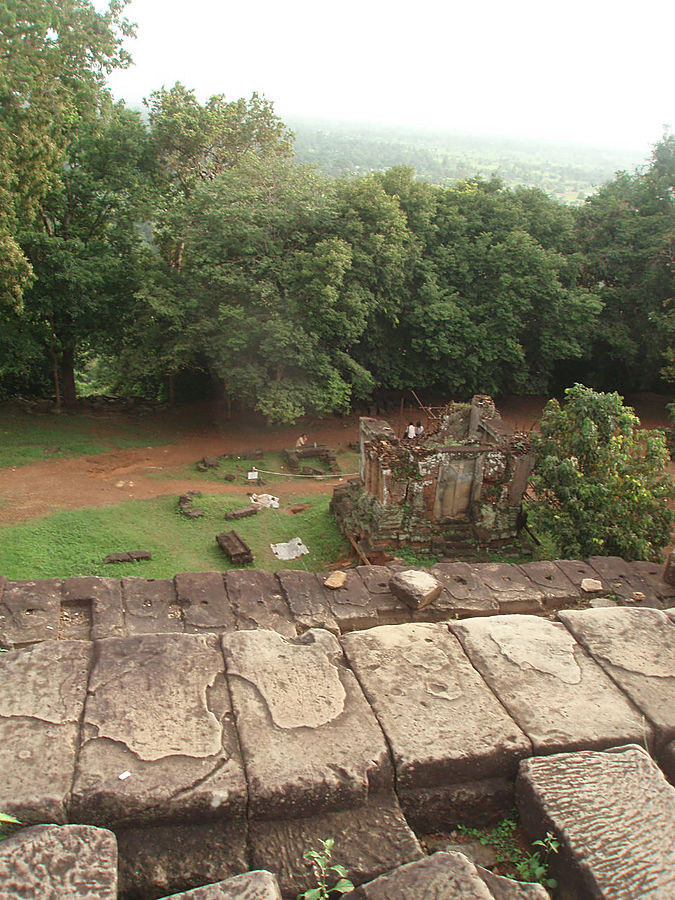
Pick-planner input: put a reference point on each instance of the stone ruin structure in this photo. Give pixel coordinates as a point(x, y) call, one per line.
point(458, 486)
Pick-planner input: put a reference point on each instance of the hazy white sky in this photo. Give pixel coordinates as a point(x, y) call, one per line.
point(586, 70)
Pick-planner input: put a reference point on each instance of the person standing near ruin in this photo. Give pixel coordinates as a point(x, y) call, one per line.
point(419, 429)
point(410, 431)
point(301, 441)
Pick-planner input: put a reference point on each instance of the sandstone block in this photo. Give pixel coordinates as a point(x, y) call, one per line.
point(636, 647)
point(416, 588)
point(51, 862)
point(614, 814)
point(551, 581)
point(621, 581)
point(249, 886)
point(105, 598)
point(556, 693)
point(351, 604)
point(43, 693)
point(653, 574)
point(465, 594)
point(258, 602)
point(310, 741)
point(30, 612)
point(512, 589)
point(307, 601)
point(591, 586)
point(335, 580)
point(204, 601)
point(150, 606)
point(669, 572)
point(390, 610)
point(576, 571)
point(158, 739)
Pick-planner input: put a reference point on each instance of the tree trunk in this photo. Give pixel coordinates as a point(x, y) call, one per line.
point(68, 378)
point(171, 389)
point(55, 370)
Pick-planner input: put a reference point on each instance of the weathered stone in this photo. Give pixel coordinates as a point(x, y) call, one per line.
point(3, 585)
point(416, 588)
point(150, 606)
point(620, 581)
point(667, 761)
point(211, 462)
point(309, 739)
point(636, 647)
point(669, 571)
point(307, 601)
point(204, 601)
point(52, 862)
point(158, 738)
point(235, 548)
point(551, 581)
point(369, 840)
point(30, 612)
point(104, 596)
point(506, 889)
point(448, 875)
point(116, 558)
point(244, 513)
point(351, 604)
point(163, 859)
point(557, 694)
point(43, 693)
point(576, 571)
point(249, 886)
point(390, 610)
point(590, 585)
point(258, 602)
point(140, 555)
point(442, 722)
point(465, 594)
point(335, 580)
point(512, 589)
point(614, 814)
point(479, 802)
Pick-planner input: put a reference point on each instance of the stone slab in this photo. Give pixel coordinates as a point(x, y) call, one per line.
point(621, 581)
point(512, 589)
point(309, 739)
point(351, 604)
point(576, 571)
point(614, 814)
point(249, 886)
point(448, 875)
point(41, 702)
point(557, 694)
point(480, 802)
point(464, 595)
point(204, 601)
point(105, 598)
point(30, 612)
point(307, 601)
point(165, 859)
point(636, 647)
point(51, 862)
point(552, 582)
point(369, 840)
point(390, 610)
point(150, 606)
point(417, 588)
point(652, 574)
point(442, 722)
point(258, 602)
point(158, 739)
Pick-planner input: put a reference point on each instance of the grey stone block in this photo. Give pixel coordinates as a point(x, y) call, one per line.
point(557, 694)
point(622, 582)
point(204, 601)
point(105, 598)
point(41, 702)
point(390, 610)
point(614, 814)
point(552, 582)
point(158, 740)
point(464, 595)
point(351, 605)
point(309, 739)
point(653, 574)
point(30, 612)
point(150, 606)
point(258, 602)
point(512, 589)
point(249, 886)
point(51, 862)
point(307, 600)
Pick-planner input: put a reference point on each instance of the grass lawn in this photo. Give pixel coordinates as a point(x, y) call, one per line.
point(75, 542)
point(25, 438)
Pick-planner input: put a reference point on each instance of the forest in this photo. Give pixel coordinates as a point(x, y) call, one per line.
point(189, 252)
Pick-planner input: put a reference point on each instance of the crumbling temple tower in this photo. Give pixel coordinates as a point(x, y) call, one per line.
point(458, 486)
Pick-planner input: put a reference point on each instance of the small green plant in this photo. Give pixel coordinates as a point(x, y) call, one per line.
point(320, 861)
point(8, 825)
point(534, 866)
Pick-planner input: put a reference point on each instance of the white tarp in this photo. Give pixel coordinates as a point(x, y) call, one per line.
point(291, 550)
point(265, 500)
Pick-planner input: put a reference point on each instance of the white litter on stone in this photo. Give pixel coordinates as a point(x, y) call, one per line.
point(124, 776)
point(265, 500)
point(291, 550)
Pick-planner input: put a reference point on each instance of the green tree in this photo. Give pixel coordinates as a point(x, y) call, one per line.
point(601, 483)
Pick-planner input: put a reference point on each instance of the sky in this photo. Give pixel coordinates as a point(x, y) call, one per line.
point(591, 72)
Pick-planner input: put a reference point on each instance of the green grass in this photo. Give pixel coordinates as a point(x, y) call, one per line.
point(75, 542)
point(26, 438)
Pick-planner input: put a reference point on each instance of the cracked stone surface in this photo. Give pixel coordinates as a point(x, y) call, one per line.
point(637, 648)
point(258, 602)
point(511, 587)
point(158, 714)
point(41, 702)
point(351, 604)
point(249, 886)
point(551, 581)
point(390, 610)
point(309, 739)
point(443, 724)
point(30, 612)
point(204, 602)
point(51, 862)
point(369, 840)
point(614, 814)
point(464, 593)
point(622, 581)
point(653, 574)
point(307, 600)
point(151, 606)
point(576, 570)
point(557, 694)
point(105, 596)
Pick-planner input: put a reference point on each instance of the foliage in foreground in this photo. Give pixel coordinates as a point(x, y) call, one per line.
point(600, 482)
point(8, 825)
point(320, 861)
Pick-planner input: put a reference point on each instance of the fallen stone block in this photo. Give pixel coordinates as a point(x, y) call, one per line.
point(560, 697)
point(590, 586)
point(512, 589)
point(76, 862)
point(211, 462)
point(416, 588)
point(464, 594)
point(158, 741)
point(235, 548)
point(335, 580)
point(150, 606)
point(369, 840)
point(204, 601)
point(140, 555)
point(249, 886)
point(229, 476)
point(309, 739)
point(104, 596)
point(30, 612)
point(241, 513)
point(41, 702)
point(636, 647)
point(193, 512)
point(258, 602)
point(443, 724)
point(116, 558)
point(614, 815)
point(307, 601)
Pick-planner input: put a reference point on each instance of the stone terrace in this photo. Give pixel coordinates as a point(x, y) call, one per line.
point(219, 724)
